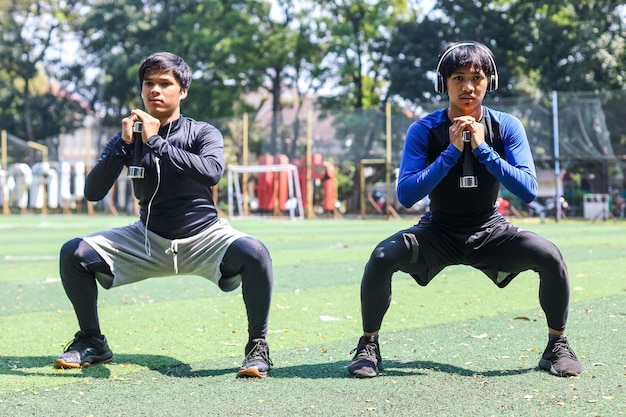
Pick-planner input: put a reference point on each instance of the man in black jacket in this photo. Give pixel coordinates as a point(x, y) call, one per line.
point(178, 232)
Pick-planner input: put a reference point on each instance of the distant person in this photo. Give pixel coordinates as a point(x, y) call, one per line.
point(178, 231)
point(618, 203)
point(460, 156)
point(379, 201)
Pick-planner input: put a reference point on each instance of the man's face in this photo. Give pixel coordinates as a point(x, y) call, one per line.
point(467, 86)
point(161, 93)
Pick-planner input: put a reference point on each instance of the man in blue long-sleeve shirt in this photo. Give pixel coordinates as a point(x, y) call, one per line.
point(178, 232)
point(459, 157)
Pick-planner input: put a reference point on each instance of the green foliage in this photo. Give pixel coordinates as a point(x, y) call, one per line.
point(563, 46)
point(359, 39)
point(358, 54)
point(31, 109)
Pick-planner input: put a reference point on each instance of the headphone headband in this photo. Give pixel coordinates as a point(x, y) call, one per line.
point(440, 82)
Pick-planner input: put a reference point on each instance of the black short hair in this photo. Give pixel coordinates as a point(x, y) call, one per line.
point(454, 55)
point(166, 61)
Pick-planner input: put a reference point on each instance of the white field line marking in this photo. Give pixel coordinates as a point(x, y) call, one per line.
point(29, 258)
point(47, 280)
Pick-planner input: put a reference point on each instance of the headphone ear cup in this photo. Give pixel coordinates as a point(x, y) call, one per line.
point(493, 82)
point(440, 84)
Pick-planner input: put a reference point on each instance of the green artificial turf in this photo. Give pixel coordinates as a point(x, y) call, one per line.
point(459, 347)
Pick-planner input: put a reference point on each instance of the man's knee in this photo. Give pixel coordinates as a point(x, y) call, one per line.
point(551, 267)
point(389, 252)
point(257, 252)
point(248, 252)
point(70, 246)
point(77, 256)
point(381, 261)
point(69, 251)
point(551, 255)
point(378, 253)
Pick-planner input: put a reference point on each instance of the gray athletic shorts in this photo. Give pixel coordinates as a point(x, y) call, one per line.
point(134, 253)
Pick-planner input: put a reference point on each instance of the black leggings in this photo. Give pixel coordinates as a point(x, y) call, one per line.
point(515, 252)
point(246, 256)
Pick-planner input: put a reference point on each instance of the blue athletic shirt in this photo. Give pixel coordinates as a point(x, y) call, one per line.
point(431, 166)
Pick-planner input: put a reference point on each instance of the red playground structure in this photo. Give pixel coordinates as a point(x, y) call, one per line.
point(272, 188)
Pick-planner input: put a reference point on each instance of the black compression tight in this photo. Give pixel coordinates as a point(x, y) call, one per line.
point(376, 282)
point(531, 252)
point(79, 264)
point(247, 256)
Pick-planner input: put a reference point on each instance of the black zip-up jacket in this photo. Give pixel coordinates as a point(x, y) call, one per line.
point(180, 169)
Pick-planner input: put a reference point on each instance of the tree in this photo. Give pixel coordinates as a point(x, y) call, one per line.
point(565, 46)
point(358, 34)
point(274, 51)
point(308, 71)
point(570, 46)
point(116, 37)
point(38, 105)
point(217, 39)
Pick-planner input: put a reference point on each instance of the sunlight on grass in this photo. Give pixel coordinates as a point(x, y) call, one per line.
point(178, 342)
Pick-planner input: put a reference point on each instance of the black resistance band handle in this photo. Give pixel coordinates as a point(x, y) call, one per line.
point(468, 169)
point(138, 143)
point(136, 170)
point(468, 180)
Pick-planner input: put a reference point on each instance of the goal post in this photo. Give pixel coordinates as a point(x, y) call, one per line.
point(294, 203)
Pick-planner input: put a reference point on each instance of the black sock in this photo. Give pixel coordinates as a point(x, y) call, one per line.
point(552, 337)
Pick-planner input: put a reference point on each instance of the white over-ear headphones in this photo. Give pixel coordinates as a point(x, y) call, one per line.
point(440, 81)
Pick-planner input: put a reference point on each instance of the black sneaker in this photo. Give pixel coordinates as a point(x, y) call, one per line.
point(257, 363)
point(559, 359)
point(367, 362)
point(83, 351)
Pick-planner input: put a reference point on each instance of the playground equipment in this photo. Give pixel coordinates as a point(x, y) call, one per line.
point(322, 178)
point(281, 186)
point(278, 190)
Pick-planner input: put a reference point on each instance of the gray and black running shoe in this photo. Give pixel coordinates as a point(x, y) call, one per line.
point(559, 359)
point(257, 363)
point(367, 362)
point(83, 351)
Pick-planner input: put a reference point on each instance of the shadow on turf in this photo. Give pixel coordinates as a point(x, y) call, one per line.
point(339, 370)
point(422, 367)
point(44, 366)
point(165, 365)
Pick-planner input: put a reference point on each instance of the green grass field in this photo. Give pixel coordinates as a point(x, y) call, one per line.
point(459, 347)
